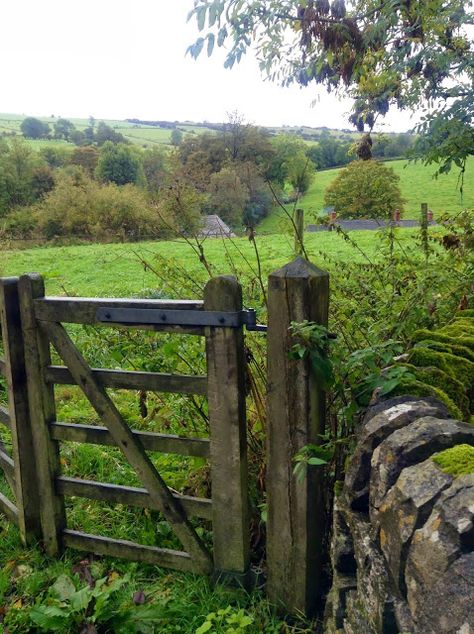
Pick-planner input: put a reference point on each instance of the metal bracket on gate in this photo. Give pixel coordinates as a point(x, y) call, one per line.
point(157, 316)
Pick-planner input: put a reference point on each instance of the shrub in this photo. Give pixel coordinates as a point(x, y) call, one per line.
point(81, 207)
point(365, 189)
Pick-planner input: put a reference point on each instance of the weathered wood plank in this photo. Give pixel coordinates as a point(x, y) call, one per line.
point(149, 381)
point(9, 509)
point(42, 413)
point(2, 365)
point(178, 560)
point(78, 310)
point(133, 496)
point(130, 445)
point(8, 466)
point(227, 415)
point(164, 443)
point(25, 485)
point(5, 417)
point(296, 417)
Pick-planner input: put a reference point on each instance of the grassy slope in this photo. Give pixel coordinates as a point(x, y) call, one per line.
point(114, 269)
point(417, 185)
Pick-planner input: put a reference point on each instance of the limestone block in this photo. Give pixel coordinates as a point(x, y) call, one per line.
point(410, 445)
point(446, 537)
point(381, 421)
point(406, 508)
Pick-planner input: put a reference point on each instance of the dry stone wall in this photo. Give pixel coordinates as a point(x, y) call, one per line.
point(403, 538)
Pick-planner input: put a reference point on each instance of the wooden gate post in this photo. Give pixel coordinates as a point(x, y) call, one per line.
point(296, 416)
point(298, 219)
point(25, 475)
point(227, 417)
point(42, 413)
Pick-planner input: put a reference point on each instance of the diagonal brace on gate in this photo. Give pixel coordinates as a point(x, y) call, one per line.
point(129, 444)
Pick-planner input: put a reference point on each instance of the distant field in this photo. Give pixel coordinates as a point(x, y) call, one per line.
point(146, 136)
point(417, 185)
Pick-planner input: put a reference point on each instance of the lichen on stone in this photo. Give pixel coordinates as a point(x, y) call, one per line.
point(456, 461)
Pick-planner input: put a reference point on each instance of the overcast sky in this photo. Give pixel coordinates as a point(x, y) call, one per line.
point(115, 59)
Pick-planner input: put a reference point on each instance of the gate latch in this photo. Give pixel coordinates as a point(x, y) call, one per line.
point(157, 316)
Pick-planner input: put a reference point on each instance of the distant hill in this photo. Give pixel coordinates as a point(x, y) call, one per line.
point(148, 133)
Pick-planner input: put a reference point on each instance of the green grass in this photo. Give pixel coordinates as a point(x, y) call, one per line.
point(417, 186)
point(115, 269)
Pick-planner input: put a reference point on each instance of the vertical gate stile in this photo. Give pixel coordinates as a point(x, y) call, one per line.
point(227, 417)
point(296, 417)
point(25, 478)
point(42, 413)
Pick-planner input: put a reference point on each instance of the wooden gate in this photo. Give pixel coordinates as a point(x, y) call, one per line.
point(42, 320)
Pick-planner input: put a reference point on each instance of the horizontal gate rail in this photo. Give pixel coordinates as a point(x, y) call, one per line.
point(8, 466)
point(133, 496)
point(121, 548)
point(9, 509)
point(80, 310)
point(132, 380)
point(5, 417)
point(151, 441)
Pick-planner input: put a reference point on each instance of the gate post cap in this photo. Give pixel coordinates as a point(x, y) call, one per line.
point(299, 267)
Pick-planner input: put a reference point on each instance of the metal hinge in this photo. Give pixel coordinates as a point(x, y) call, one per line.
point(157, 316)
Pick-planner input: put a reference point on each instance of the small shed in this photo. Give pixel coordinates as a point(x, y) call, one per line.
point(214, 227)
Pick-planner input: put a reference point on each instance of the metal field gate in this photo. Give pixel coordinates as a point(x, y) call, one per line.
point(32, 325)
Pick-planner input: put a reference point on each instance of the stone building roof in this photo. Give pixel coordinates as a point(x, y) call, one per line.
point(215, 227)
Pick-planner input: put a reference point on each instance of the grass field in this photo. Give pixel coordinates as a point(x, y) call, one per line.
point(143, 135)
point(115, 269)
point(417, 186)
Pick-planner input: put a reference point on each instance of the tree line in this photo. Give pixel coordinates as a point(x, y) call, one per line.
point(115, 187)
point(63, 129)
point(109, 187)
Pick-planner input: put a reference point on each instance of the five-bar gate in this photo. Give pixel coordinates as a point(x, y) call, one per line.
point(39, 486)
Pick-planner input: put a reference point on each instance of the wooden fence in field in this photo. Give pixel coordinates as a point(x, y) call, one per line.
point(32, 326)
